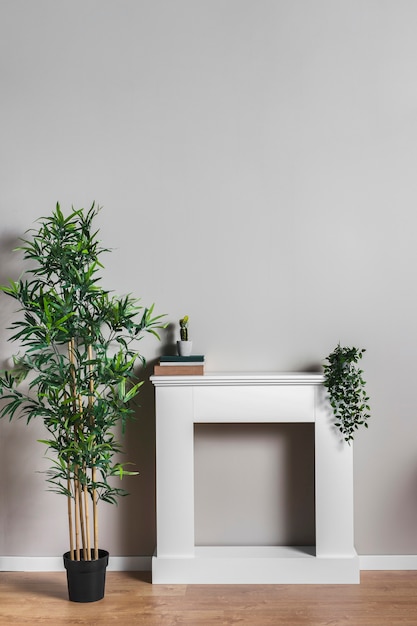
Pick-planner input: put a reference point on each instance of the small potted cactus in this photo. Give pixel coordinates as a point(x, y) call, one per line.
point(184, 345)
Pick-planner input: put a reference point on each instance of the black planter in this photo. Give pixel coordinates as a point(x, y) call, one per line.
point(86, 579)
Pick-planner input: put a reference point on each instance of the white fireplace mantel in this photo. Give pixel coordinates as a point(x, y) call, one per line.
point(181, 402)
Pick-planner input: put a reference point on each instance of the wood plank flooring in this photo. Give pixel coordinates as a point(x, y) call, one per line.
point(382, 599)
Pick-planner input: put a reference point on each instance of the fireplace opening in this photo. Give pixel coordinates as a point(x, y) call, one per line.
point(254, 484)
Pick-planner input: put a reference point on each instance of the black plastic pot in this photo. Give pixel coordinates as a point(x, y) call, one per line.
point(86, 579)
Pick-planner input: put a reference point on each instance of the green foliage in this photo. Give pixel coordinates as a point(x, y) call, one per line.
point(345, 385)
point(79, 354)
point(184, 328)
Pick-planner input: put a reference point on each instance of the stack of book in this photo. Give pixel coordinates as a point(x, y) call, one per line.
point(180, 366)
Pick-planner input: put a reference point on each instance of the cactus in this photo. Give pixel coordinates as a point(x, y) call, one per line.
point(184, 328)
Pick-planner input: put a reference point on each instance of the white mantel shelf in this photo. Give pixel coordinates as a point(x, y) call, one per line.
point(240, 379)
point(181, 402)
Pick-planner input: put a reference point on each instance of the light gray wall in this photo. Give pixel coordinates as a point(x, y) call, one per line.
point(256, 162)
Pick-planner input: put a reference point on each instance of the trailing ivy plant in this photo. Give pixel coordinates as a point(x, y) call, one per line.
point(345, 385)
point(79, 355)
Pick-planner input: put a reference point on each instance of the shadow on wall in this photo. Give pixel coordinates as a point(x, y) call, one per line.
point(18, 479)
point(11, 267)
point(299, 470)
point(168, 341)
point(10, 259)
point(138, 522)
point(137, 530)
point(313, 367)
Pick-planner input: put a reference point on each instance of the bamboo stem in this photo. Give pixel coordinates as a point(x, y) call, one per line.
point(87, 522)
point(85, 531)
point(77, 517)
point(74, 520)
point(93, 469)
point(95, 516)
point(82, 521)
point(69, 508)
point(70, 522)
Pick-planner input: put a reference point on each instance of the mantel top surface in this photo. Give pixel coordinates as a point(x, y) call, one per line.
point(240, 378)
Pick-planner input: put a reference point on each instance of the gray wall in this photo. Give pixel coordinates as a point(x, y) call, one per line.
point(256, 164)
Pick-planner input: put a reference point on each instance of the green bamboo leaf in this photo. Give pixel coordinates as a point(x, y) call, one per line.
point(133, 391)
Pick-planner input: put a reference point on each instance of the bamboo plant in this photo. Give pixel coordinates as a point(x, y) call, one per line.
point(78, 357)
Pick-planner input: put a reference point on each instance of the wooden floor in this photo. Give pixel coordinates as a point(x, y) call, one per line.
point(382, 599)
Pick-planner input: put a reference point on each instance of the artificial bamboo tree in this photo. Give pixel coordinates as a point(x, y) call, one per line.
point(78, 357)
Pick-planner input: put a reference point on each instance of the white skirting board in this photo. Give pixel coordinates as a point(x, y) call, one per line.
point(388, 562)
point(144, 563)
point(55, 564)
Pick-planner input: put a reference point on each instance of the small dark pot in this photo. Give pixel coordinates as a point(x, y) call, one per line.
point(86, 579)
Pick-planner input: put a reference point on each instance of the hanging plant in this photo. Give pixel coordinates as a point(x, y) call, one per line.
point(345, 385)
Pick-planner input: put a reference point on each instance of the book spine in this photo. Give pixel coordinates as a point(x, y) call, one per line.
point(193, 358)
point(180, 363)
point(181, 370)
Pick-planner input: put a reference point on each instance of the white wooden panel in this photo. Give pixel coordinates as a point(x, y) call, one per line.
point(175, 472)
point(254, 404)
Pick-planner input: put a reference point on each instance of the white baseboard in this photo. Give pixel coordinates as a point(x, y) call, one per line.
point(144, 563)
point(388, 562)
point(55, 564)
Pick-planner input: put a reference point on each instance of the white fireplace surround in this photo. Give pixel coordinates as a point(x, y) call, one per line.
point(181, 402)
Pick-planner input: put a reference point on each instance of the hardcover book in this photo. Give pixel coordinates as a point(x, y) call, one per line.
point(180, 370)
point(181, 360)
